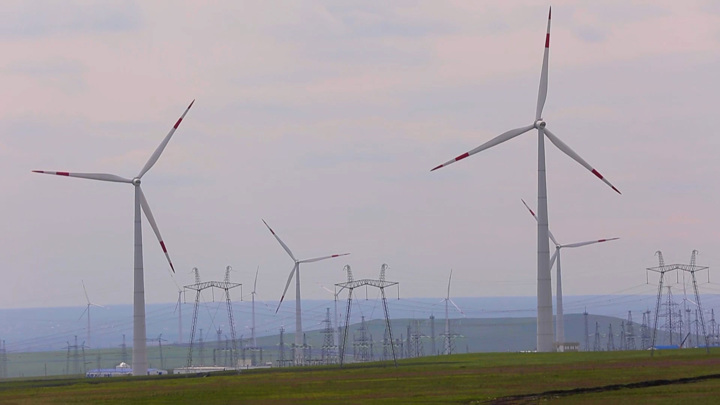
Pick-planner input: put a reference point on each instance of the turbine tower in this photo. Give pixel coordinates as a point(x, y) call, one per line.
point(299, 354)
point(178, 308)
point(139, 361)
point(559, 316)
point(544, 286)
point(254, 340)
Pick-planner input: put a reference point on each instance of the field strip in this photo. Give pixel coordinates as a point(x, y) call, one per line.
point(532, 398)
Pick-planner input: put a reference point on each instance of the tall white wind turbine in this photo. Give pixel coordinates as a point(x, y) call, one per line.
point(87, 310)
point(139, 361)
point(544, 286)
point(559, 314)
point(299, 353)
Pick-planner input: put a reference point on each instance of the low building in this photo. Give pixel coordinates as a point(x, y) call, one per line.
point(121, 370)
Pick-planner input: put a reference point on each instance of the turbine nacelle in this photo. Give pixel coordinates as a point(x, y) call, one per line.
point(539, 124)
point(136, 181)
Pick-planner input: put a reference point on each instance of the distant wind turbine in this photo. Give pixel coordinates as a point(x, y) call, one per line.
point(139, 361)
point(560, 316)
point(299, 353)
point(87, 310)
point(544, 288)
point(448, 300)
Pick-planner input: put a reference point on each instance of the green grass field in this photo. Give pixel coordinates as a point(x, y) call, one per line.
point(670, 377)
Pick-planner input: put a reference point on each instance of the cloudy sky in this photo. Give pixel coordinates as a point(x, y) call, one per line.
point(325, 118)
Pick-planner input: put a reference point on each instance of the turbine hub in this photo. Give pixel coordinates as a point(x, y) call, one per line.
point(136, 181)
point(540, 124)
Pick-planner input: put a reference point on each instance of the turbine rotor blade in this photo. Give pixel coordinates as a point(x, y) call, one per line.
point(566, 149)
point(591, 242)
point(153, 225)
point(554, 256)
point(156, 155)
point(327, 289)
point(91, 176)
point(84, 290)
point(535, 216)
point(287, 249)
point(255, 283)
point(292, 273)
point(87, 308)
point(542, 92)
point(317, 259)
point(449, 280)
point(456, 307)
point(497, 140)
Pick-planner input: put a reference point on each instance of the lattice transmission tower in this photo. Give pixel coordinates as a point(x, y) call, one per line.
point(329, 352)
point(225, 286)
point(611, 339)
point(630, 334)
point(645, 334)
point(363, 343)
point(692, 268)
point(381, 284)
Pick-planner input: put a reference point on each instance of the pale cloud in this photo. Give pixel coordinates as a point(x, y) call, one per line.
point(23, 19)
point(68, 76)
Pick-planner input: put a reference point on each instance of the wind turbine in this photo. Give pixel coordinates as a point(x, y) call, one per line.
point(448, 344)
point(559, 316)
point(87, 309)
point(544, 286)
point(299, 354)
point(253, 307)
point(139, 361)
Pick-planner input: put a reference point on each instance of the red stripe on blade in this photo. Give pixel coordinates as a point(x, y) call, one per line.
point(595, 172)
point(463, 156)
point(178, 123)
point(162, 244)
point(62, 173)
point(436, 167)
point(547, 41)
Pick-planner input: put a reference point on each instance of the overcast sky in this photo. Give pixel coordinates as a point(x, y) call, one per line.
point(325, 118)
